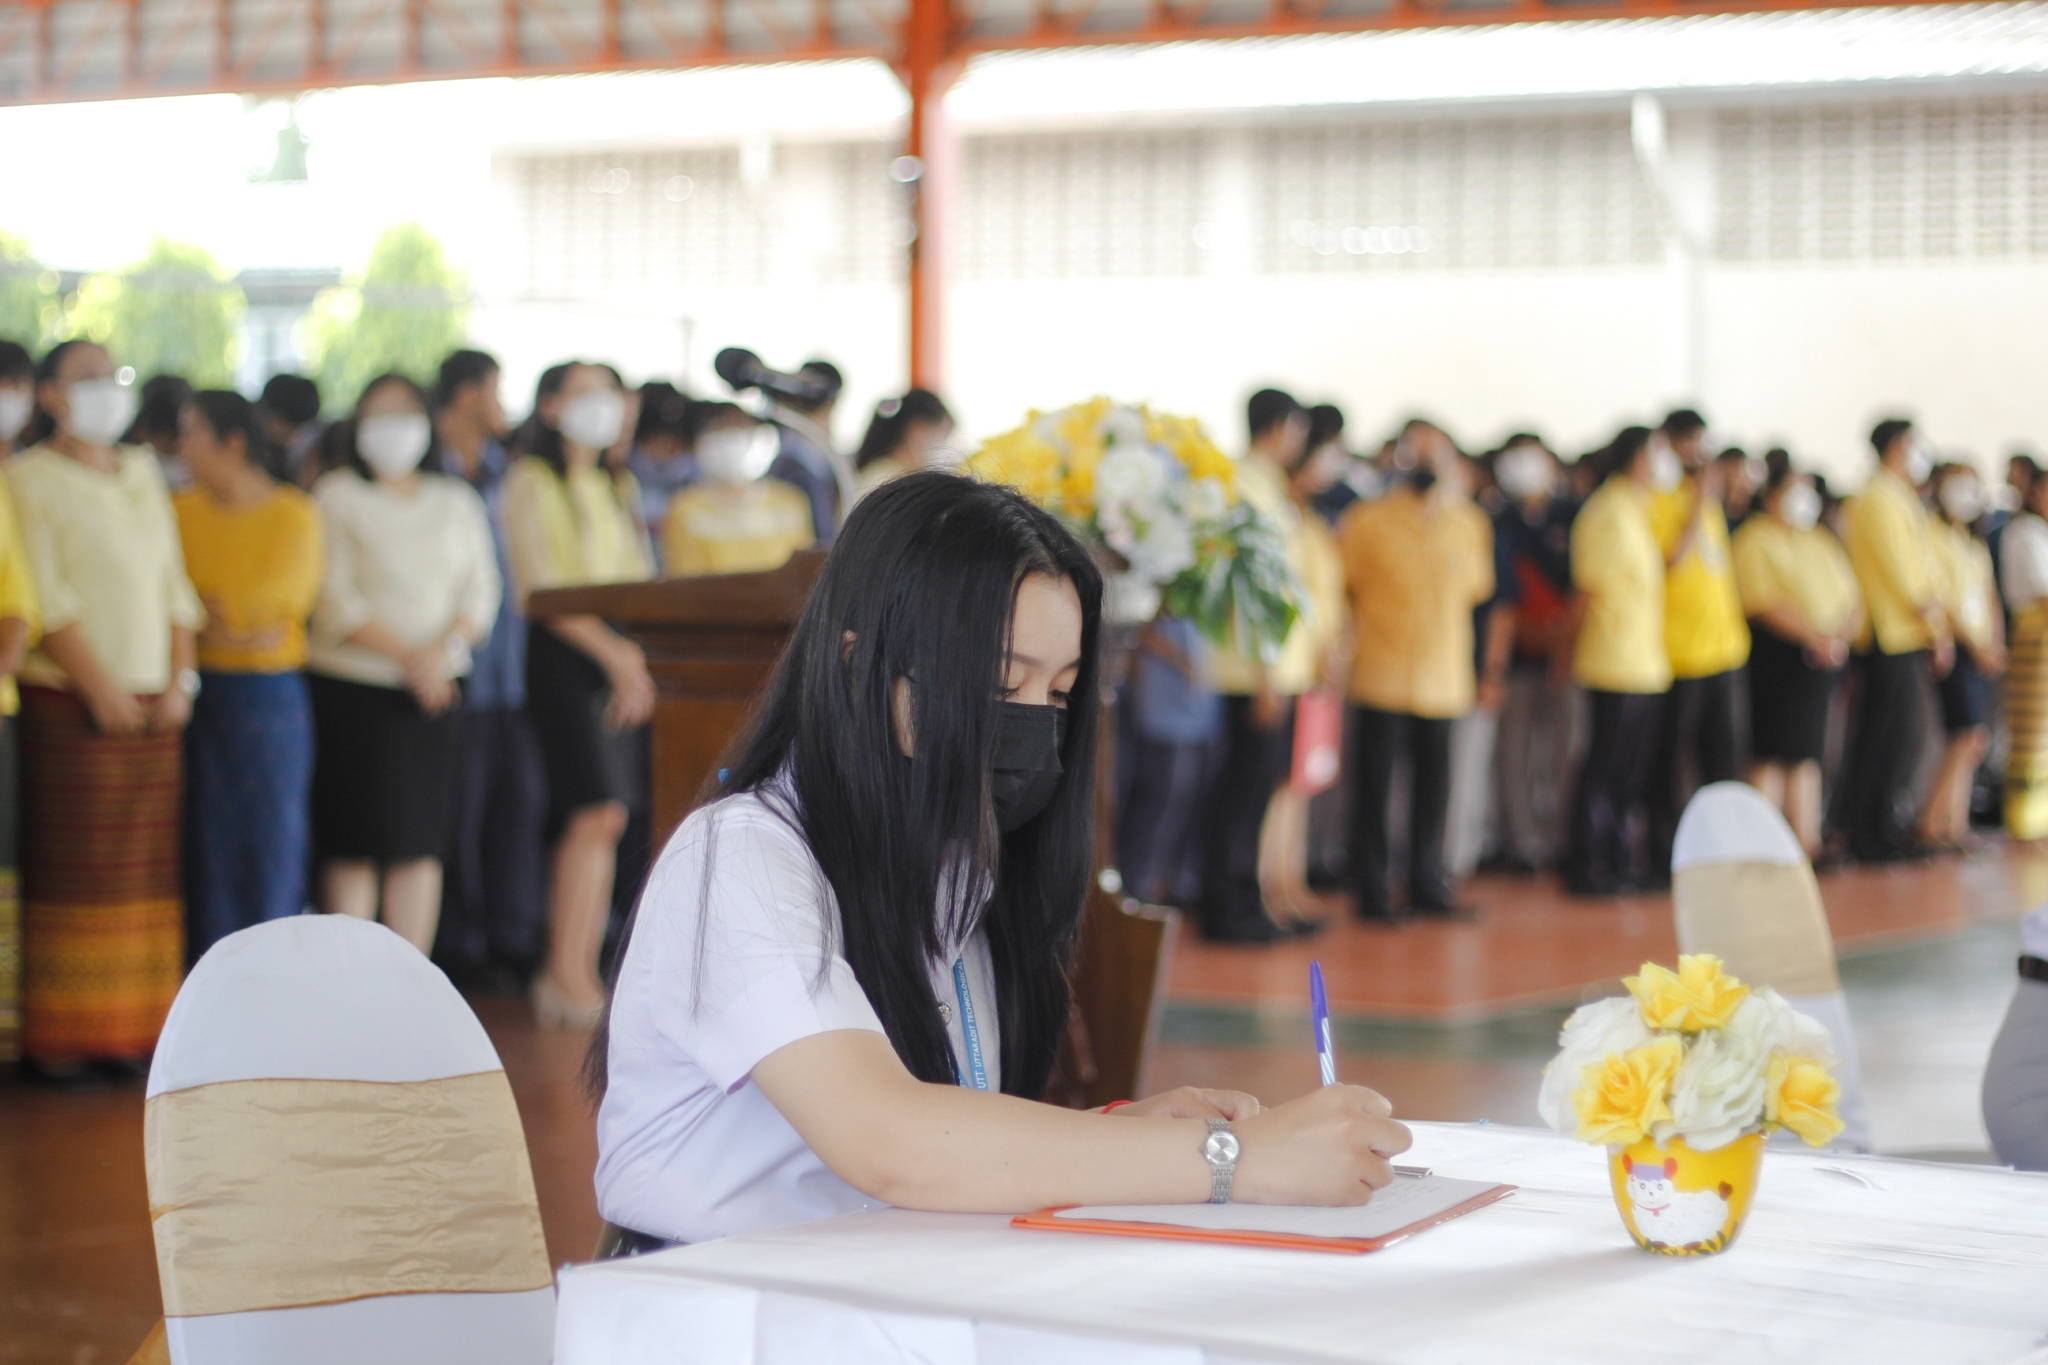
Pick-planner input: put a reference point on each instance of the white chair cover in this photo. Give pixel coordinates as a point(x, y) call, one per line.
point(1741, 889)
point(336, 1171)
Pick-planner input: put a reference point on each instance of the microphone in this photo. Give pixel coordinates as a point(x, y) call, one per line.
point(743, 370)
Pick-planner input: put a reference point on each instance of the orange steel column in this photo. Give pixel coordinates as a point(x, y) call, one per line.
point(929, 66)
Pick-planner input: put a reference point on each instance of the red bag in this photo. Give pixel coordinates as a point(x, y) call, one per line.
point(1318, 741)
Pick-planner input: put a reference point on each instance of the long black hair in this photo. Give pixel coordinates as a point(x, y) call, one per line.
point(892, 422)
point(41, 425)
point(226, 413)
point(920, 585)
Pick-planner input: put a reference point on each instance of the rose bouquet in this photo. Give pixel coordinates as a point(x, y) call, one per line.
point(1157, 493)
point(1680, 1079)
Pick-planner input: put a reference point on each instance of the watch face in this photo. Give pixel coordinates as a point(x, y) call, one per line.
point(1221, 1147)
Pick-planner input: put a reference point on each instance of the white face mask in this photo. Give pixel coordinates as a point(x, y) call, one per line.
point(15, 406)
point(1919, 463)
point(101, 410)
point(1524, 473)
point(593, 420)
point(1665, 469)
point(392, 444)
point(1800, 507)
point(1963, 499)
point(727, 455)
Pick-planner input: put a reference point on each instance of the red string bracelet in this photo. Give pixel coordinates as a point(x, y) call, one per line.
point(1116, 1104)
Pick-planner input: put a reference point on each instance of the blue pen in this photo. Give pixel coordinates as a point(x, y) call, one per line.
point(1319, 1003)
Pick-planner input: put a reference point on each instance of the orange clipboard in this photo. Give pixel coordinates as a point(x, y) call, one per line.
point(1045, 1221)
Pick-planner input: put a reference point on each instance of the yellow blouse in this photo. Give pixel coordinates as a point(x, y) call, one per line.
point(1416, 570)
point(566, 532)
point(1968, 591)
point(714, 529)
point(1808, 571)
point(1885, 530)
point(257, 569)
point(103, 551)
point(1618, 564)
point(17, 591)
point(1704, 629)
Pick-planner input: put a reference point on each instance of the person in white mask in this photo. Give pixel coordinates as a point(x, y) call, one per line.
point(905, 435)
point(1889, 537)
point(569, 521)
point(1804, 609)
point(1969, 596)
point(105, 695)
point(734, 519)
point(411, 584)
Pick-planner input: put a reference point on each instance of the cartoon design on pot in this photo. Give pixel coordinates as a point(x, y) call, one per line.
point(1681, 1080)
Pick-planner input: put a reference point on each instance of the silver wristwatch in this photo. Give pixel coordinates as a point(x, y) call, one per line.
point(1220, 1150)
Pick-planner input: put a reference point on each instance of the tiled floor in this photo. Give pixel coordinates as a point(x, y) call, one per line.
point(1452, 1021)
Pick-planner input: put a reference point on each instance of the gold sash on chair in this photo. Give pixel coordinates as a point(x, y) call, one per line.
point(288, 1193)
point(1764, 921)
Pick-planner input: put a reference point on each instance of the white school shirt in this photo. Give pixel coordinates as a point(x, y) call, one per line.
point(688, 1146)
point(2023, 561)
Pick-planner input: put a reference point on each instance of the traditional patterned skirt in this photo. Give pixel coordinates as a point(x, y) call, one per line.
point(2026, 714)
point(103, 927)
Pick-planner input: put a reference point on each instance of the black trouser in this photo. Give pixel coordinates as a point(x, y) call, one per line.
point(1378, 739)
point(1605, 843)
point(1161, 815)
point(1254, 763)
point(1884, 754)
point(494, 893)
point(1701, 741)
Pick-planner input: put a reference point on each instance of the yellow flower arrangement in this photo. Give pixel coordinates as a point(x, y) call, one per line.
point(1699, 995)
point(1622, 1096)
point(1152, 489)
point(1692, 1055)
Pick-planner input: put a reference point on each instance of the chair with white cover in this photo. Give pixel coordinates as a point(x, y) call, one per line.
point(1742, 889)
point(337, 1172)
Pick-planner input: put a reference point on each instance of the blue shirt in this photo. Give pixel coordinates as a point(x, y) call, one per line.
point(497, 672)
point(1168, 707)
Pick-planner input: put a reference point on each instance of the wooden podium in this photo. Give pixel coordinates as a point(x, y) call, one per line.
point(711, 644)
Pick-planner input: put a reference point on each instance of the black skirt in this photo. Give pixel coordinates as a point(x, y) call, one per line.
point(1788, 700)
point(1965, 696)
point(383, 773)
point(588, 763)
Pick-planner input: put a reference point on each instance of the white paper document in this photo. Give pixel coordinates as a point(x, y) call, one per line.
point(1400, 1205)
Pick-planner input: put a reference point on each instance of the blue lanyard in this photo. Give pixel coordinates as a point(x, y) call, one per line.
point(969, 1028)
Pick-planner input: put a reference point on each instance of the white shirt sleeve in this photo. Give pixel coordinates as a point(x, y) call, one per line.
point(2023, 553)
point(742, 959)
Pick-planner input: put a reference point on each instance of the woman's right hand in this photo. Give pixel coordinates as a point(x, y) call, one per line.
point(430, 678)
point(116, 713)
point(632, 700)
point(1332, 1146)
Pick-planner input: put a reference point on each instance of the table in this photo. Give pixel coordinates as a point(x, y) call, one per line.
point(1844, 1259)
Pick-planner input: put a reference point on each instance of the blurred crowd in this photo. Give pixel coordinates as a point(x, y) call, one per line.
point(1518, 662)
point(254, 660)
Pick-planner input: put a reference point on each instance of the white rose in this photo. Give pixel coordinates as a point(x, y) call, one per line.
point(1205, 499)
point(1719, 1088)
point(1163, 550)
point(1123, 427)
point(1594, 1032)
point(1129, 473)
point(1780, 1029)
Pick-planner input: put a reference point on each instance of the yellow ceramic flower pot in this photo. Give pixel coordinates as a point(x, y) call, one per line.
point(1678, 1202)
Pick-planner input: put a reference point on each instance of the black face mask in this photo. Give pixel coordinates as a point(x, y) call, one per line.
point(1028, 740)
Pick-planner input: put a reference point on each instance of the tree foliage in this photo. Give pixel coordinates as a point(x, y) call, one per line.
point(405, 314)
point(173, 312)
point(23, 301)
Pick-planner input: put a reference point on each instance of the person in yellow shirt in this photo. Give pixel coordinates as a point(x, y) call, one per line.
point(1705, 635)
point(1969, 598)
point(253, 551)
point(1619, 658)
point(1804, 608)
point(734, 518)
point(1416, 564)
point(18, 617)
point(1890, 543)
point(1258, 699)
point(569, 522)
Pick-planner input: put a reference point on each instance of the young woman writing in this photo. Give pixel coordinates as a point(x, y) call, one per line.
point(846, 980)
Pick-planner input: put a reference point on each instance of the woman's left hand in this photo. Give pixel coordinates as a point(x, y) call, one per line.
point(1189, 1102)
point(170, 711)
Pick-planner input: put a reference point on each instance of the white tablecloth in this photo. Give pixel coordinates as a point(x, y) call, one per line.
point(1850, 1259)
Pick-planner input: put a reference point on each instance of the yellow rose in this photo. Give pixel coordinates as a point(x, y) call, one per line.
point(1077, 492)
point(1800, 1094)
point(1698, 995)
point(1621, 1095)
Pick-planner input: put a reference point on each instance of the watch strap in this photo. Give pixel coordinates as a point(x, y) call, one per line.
point(1222, 1174)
